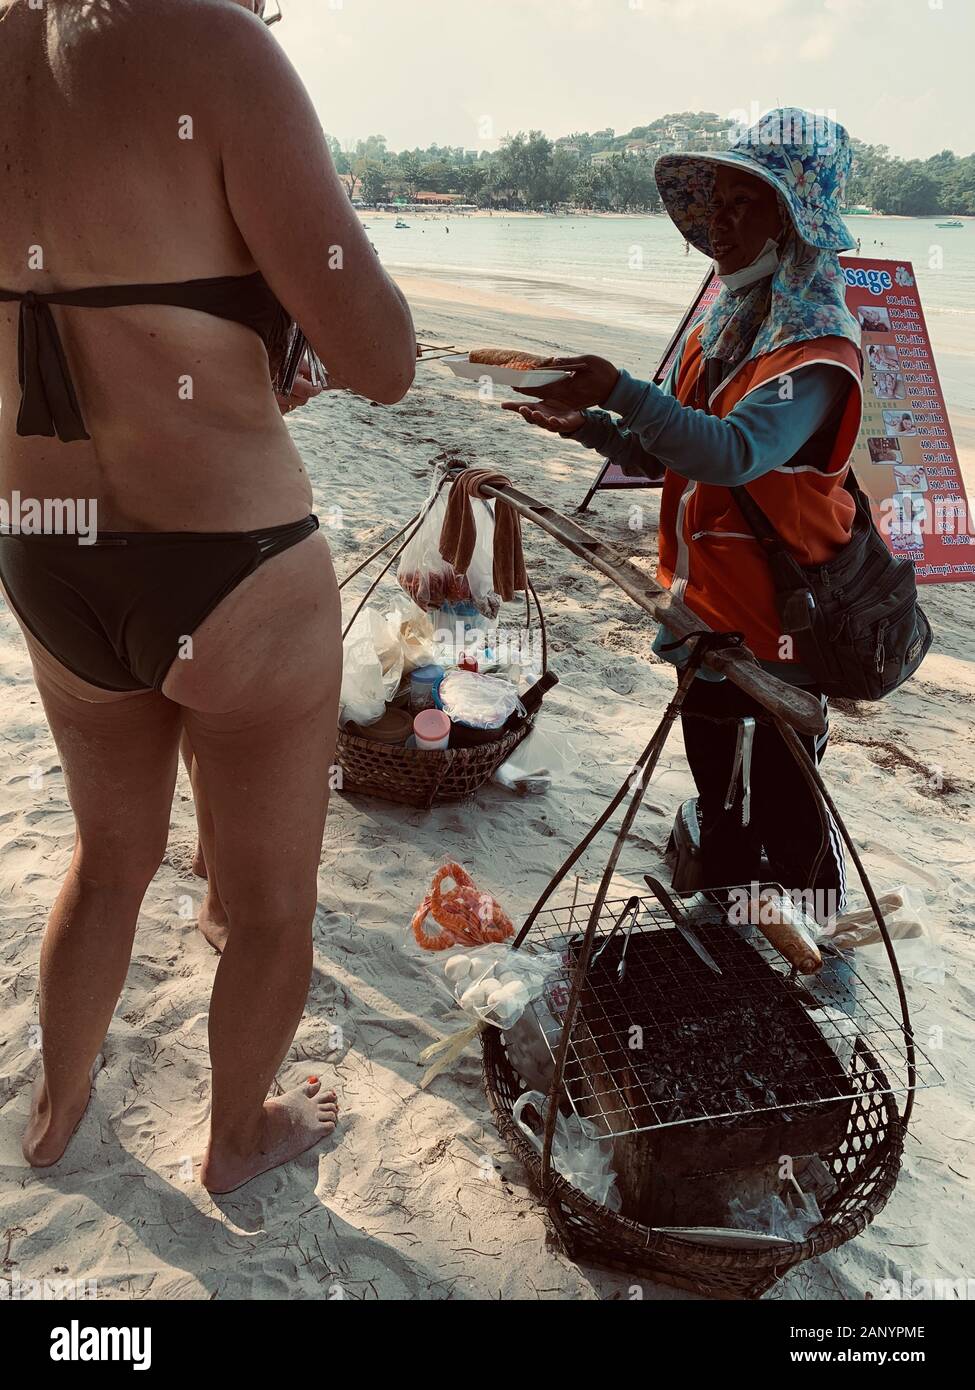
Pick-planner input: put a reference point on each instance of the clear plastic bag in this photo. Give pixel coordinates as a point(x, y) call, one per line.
point(415, 637)
point(363, 698)
point(372, 666)
point(483, 702)
point(791, 1219)
point(579, 1152)
point(426, 576)
point(539, 761)
point(383, 632)
point(911, 931)
point(784, 924)
point(528, 1052)
point(495, 984)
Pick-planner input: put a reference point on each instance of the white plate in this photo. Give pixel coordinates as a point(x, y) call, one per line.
point(461, 365)
point(733, 1238)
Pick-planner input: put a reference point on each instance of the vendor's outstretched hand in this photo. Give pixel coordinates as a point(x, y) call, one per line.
point(592, 379)
point(559, 419)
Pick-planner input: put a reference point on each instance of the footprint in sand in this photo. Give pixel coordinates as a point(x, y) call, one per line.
point(618, 679)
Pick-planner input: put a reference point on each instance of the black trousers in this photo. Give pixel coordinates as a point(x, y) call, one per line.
point(785, 820)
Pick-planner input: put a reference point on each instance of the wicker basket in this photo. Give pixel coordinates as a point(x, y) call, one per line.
point(865, 1166)
point(424, 777)
point(420, 777)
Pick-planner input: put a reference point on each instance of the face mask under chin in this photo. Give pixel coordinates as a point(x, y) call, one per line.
point(765, 263)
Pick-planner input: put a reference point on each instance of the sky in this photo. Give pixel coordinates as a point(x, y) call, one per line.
point(467, 72)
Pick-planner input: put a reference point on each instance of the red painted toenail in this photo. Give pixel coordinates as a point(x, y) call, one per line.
point(312, 1079)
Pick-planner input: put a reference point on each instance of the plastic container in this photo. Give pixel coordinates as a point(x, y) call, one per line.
point(431, 729)
point(422, 681)
point(395, 726)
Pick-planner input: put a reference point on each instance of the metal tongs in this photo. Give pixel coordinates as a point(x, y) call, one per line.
point(632, 909)
point(743, 764)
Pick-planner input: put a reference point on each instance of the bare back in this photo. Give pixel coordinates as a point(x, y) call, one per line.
point(170, 140)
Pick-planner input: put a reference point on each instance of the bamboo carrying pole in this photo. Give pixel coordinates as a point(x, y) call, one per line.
point(798, 708)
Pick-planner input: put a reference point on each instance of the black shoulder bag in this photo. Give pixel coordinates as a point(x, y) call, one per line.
point(856, 621)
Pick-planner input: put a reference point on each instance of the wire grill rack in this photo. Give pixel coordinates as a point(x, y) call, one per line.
point(673, 1042)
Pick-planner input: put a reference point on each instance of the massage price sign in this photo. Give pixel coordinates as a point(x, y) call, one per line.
point(904, 457)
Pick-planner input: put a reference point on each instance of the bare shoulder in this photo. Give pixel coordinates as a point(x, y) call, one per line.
point(192, 26)
point(225, 52)
point(202, 40)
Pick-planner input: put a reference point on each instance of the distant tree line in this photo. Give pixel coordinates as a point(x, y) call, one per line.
point(609, 172)
point(526, 172)
point(944, 183)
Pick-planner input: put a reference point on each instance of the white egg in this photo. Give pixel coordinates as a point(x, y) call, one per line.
point(475, 996)
point(514, 994)
point(457, 968)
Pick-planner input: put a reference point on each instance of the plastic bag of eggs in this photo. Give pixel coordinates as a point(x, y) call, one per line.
point(495, 984)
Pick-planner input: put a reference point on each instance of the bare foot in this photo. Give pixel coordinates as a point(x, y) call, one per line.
point(47, 1135)
point(291, 1123)
point(213, 923)
point(199, 865)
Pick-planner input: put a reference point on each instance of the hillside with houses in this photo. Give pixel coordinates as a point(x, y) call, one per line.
point(607, 171)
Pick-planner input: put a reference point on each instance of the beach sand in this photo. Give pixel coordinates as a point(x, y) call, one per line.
point(417, 1198)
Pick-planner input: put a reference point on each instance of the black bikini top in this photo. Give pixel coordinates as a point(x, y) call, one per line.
point(48, 403)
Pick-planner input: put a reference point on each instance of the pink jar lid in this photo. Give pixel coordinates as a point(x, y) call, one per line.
point(431, 725)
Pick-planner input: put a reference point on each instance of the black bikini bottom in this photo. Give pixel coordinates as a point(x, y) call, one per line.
point(117, 613)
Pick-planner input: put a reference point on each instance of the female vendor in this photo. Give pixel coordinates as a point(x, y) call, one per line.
point(765, 391)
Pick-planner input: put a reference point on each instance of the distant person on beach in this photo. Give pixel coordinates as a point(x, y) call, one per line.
point(767, 213)
point(169, 191)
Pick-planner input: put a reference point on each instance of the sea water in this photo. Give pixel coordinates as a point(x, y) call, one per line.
point(633, 271)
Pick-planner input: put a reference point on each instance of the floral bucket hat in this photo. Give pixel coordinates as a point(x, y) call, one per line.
point(804, 156)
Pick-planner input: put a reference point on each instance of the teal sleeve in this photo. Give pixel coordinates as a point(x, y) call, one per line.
point(623, 447)
point(762, 432)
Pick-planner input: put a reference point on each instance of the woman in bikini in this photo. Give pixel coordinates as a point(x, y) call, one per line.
point(149, 237)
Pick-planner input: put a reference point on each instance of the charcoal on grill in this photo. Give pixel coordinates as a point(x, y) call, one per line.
point(705, 1081)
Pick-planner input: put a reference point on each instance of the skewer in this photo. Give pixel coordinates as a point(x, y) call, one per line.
point(432, 352)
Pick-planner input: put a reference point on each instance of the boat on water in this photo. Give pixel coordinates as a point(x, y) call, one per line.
point(953, 223)
point(400, 225)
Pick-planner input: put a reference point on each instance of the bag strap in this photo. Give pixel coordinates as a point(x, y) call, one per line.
point(758, 523)
point(795, 598)
point(763, 530)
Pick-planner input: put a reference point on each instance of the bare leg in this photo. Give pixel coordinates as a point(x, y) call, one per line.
point(119, 759)
point(265, 751)
point(212, 920)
